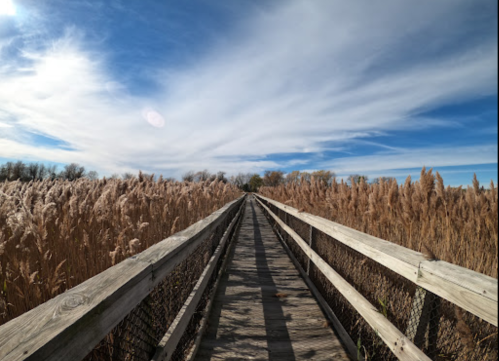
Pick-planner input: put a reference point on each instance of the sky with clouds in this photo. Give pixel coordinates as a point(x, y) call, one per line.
point(380, 88)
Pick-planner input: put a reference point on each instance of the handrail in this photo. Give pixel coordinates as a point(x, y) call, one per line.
point(170, 340)
point(472, 291)
point(398, 343)
point(68, 326)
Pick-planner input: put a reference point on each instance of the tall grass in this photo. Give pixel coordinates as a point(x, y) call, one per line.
point(455, 224)
point(56, 234)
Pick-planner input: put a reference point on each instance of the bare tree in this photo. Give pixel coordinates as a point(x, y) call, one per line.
point(202, 176)
point(127, 175)
point(52, 171)
point(188, 176)
point(18, 171)
point(356, 178)
point(380, 179)
point(73, 171)
point(221, 177)
point(92, 175)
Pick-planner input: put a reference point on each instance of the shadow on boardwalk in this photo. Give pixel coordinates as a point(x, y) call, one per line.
point(263, 309)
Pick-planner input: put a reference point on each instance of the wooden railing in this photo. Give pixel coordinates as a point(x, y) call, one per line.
point(68, 326)
point(472, 291)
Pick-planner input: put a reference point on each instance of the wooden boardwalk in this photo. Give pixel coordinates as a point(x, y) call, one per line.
point(263, 310)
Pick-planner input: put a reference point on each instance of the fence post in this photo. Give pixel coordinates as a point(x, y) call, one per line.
point(422, 328)
point(311, 244)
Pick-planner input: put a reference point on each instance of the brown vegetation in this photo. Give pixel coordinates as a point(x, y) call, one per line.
point(452, 224)
point(55, 234)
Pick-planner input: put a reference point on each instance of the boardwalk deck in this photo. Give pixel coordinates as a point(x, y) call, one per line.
point(263, 310)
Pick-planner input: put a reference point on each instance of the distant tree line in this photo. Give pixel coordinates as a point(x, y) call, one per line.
point(248, 182)
point(26, 172)
point(204, 175)
point(251, 182)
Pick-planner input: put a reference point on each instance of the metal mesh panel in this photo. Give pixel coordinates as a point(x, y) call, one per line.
point(139, 333)
point(299, 227)
point(190, 334)
point(438, 327)
point(132, 339)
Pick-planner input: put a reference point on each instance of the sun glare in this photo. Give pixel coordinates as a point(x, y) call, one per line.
point(7, 8)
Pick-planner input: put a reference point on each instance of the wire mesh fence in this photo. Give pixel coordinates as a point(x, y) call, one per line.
point(137, 336)
point(442, 330)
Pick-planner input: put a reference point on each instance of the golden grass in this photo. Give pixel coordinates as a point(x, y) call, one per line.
point(452, 224)
point(56, 234)
point(441, 222)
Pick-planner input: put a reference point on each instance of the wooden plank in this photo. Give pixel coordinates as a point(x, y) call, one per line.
point(204, 320)
point(68, 326)
point(336, 324)
point(169, 342)
point(265, 315)
point(473, 291)
point(423, 320)
point(395, 340)
point(399, 259)
point(70, 318)
point(469, 290)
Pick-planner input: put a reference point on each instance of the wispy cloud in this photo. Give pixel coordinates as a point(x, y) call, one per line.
point(295, 78)
point(414, 158)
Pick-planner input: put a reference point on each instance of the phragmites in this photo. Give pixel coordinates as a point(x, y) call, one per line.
point(56, 234)
point(447, 223)
point(452, 224)
point(464, 331)
point(427, 252)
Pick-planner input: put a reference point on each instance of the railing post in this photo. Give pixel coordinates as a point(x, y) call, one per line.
point(311, 244)
point(422, 328)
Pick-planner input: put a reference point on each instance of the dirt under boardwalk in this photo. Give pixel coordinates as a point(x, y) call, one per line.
point(263, 310)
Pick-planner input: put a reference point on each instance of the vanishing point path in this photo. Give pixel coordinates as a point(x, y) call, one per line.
point(263, 310)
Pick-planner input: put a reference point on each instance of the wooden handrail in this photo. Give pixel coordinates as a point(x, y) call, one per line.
point(68, 326)
point(398, 343)
point(170, 340)
point(472, 291)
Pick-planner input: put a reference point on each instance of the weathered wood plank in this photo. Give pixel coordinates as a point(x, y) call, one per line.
point(68, 326)
point(337, 326)
point(399, 259)
point(473, 291)
point(256, 309)
point(469, 290)
point(170, 340)
point(395, 340)
point(204, 320)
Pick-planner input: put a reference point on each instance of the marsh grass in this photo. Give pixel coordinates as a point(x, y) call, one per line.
point(452, 224)
point(56, 234)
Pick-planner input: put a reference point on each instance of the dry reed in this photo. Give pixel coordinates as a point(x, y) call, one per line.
point(56, 234)
point(452, 224)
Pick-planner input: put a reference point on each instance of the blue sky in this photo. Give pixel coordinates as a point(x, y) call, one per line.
point(377, 88)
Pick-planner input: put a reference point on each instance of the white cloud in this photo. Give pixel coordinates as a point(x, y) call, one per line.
point(414, 158)
point(289, 80)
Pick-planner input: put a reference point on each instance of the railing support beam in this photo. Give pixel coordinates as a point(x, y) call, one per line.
point(422, 329)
